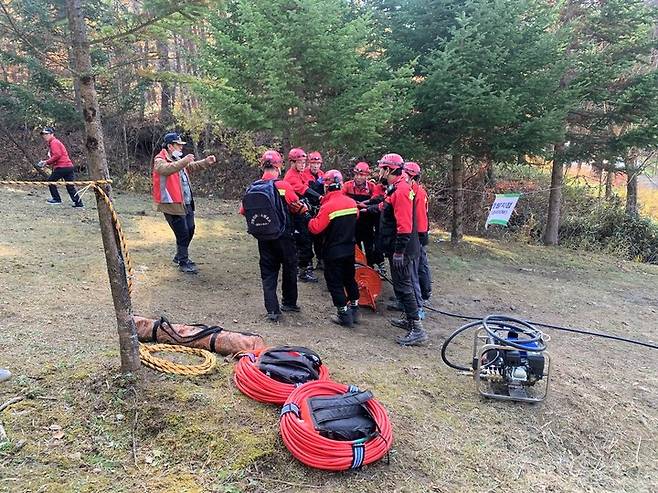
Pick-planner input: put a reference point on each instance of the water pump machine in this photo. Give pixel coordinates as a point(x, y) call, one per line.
point(510, 361)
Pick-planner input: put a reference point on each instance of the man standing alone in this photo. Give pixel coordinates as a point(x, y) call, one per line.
point(172, 193)
point(59, 161)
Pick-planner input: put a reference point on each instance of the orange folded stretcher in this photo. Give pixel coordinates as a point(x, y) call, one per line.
point(368, 280)
point(211, 338)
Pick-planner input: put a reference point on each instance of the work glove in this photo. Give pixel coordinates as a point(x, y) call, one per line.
point(398, 261)
point(41, 164)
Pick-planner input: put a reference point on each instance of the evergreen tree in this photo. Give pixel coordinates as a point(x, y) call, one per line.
point(312, 72)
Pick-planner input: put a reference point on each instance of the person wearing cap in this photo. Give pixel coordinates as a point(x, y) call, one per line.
point(279, 254)
point(398, 238)
point(62, 168)
point(172, 194)
point(315, 179)
point(298, 177)
point(336, 221)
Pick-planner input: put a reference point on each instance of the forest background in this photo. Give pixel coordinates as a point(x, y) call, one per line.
point(554, 99)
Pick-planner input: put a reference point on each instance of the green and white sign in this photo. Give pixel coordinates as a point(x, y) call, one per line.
point(501, 209)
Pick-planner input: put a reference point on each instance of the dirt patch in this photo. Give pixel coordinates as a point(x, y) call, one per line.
point(85, 430)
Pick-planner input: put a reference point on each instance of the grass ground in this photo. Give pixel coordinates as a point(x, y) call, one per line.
point(80, 429)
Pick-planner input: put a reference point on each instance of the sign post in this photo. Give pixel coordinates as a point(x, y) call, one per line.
point(501, 209)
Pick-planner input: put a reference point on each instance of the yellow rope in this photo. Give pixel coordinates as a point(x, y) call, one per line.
point(166, 366)
point(145, 351)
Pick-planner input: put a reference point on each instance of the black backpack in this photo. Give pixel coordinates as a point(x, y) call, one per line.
point(264, 210)
point(290, 364)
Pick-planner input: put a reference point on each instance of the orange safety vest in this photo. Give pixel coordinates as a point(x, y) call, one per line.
point(167, 189)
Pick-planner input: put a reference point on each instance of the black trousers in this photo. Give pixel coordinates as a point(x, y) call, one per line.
point(274, 255)
point(318, 241)
point(339, 274)
point(403, 286)
point(183, 228)
point(365, 236)
point(67, 174)
point(424, 274)
point(377, 254)
point(303, 241)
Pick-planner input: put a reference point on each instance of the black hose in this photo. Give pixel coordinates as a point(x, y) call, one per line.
point(556, 327)
point(539, 324)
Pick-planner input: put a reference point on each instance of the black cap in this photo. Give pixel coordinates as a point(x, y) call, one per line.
point(173, 138)
point(47, 130)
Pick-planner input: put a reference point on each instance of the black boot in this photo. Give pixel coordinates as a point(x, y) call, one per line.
point(343, 317)
point(416, 335)
point(401, 322)
point(354, 308)
point(307, 275)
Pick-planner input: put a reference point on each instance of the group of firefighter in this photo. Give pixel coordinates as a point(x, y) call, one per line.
point(326, 217)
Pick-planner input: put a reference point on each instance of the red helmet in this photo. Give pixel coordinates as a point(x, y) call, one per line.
point(362, 168)
point(411, 168)
point(271, 158)
point(315, 157)
point(333, 177)
point(296, 154)
point(392, 161)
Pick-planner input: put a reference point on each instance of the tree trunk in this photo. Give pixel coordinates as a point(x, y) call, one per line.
point(457, 233)
point(166, 93)
point(631, 194)
point(95, 146)
point(550, 236)
point(609, 180)
point(632, 170)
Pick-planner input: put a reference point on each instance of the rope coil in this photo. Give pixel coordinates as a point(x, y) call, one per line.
point(166, 366)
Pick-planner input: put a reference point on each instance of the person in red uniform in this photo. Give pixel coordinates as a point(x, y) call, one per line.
point(315, 168)
point(422, 217)
point(398, 237)
point(298, 177)
point(59, 161)
point(281, 253)
point(361, 189)
point(336, 220)
point(172, 194)
point(421, 276)
point(315, 177)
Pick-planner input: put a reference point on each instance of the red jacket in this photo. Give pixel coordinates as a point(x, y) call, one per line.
point(337, 220)
point(402, 202)
point(422, 207)
point(58, 155)
point(311, 177)
point(298, 181)
point(167, 189)
point(397, 225)
point(360, 193)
